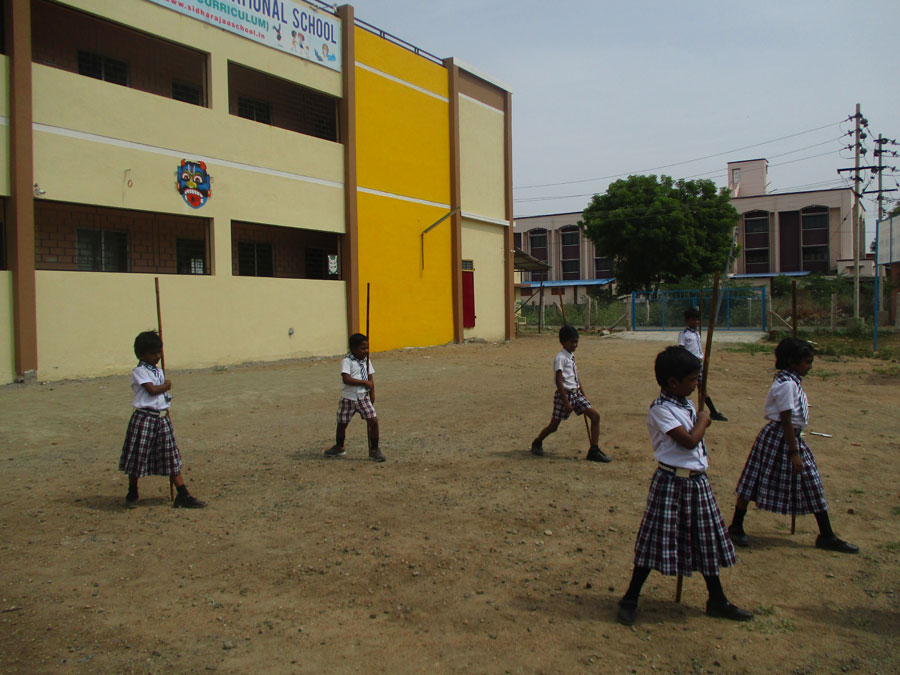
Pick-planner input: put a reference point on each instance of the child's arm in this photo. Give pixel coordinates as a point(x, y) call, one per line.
point(787, 430)
point(562, 392)
point(691, 439)
point(157, 389)
point(352, 381)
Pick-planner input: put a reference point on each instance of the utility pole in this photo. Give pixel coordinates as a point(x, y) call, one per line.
point(855, 228)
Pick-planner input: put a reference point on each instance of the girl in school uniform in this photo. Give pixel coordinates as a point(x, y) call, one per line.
point(780, 474)
point(682, 529)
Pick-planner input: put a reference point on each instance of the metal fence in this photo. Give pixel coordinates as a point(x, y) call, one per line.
point(742, 308)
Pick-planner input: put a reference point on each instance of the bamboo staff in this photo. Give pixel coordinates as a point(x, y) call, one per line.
point(162, 359)
point(587, 427)
point(704, 373)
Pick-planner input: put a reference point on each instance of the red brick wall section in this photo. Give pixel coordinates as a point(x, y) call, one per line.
point(288, 246)
point(151, 236)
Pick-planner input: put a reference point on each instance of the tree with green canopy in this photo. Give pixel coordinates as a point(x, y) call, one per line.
point(661, 230)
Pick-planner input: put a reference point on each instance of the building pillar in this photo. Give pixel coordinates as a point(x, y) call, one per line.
point(350, 240)
point(20, 225)
point(455, 201)
point(509, 259)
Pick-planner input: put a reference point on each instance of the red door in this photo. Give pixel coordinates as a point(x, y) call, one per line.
point(468, 298)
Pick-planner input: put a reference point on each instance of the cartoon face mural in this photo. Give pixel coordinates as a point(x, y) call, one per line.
point(193, 183)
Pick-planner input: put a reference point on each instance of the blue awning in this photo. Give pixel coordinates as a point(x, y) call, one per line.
point(769, 275)
point(567, 283)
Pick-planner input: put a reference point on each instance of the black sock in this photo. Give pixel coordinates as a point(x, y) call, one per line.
point(714, 587)
point(638, 577)
point(824, 524)
point(594, 446)
point(737, 521)
point(373, 443)
point(182, 490)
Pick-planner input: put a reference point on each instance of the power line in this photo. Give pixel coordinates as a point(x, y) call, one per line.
point(687, 161)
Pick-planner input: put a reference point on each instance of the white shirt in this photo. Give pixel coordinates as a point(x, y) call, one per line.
point(356, 369)
point(565, 361)
point(668, 412)
point(143, 398)
point(690, 340)
point(787, 394)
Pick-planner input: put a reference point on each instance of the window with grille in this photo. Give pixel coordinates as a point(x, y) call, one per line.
point(468, 265)
point(254, 109)
point(603, 268)
point(316, 263)
point(570, 259)
point(102, 68)
point(814, 218)
point(187, 93)
point(756, 242)
point(102, 251)
point(537, 247)
point(190, 255)
point(255, 259)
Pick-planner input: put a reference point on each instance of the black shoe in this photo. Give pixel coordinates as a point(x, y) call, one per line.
point(537, 448)
point(335, 451)
point(131, 500)
point(187, 502)
point(832, 543)
point(627, 612)
point(725, 610)
point(377, 455)
point(738, 536)
point(718, 417)
point(597, 455)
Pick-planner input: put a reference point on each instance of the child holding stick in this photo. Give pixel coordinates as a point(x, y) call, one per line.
point(682, 529)
point(780, 474)
point(569, 397)
point(150, 447)
point(358, 396)
point(689, 338)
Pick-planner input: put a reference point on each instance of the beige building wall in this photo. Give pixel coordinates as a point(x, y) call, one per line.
point(7, 356)
point(481, 139)
point(205, 320)
point(483, 244)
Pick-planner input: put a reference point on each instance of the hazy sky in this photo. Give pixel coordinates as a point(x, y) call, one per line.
point(602, 88)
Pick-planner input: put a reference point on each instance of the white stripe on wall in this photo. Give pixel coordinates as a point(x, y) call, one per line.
point(416, 87)
point(482, 104)
point(485, 219)
point(402, 198)
point(169, 152)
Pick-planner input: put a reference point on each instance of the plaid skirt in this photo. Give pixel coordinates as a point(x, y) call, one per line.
point(768, 479)
point(577, 400)
point(682, 529)
point(150, 448)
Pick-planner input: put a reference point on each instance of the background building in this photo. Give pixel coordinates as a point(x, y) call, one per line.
point(267, 166)
point(574, 262)
point(790, 232)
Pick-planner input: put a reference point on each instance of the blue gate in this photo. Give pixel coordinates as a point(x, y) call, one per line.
point(741, 308)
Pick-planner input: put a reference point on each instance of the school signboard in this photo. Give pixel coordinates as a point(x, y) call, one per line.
point(888, 241)
point(292, 27)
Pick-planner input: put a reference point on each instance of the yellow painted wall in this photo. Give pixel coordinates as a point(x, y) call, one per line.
point(87, 321)
point(7, 347)
point(4, 125)
point(410, 305)
point(403, 148)
point(482, 159)
point(483, 244)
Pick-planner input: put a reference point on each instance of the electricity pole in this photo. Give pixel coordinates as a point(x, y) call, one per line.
point(855, 228)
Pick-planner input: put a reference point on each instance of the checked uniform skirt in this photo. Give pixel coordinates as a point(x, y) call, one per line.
point(682, 529)
point(150, 448)
point(767, 476)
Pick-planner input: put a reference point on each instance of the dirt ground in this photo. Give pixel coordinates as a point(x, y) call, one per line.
point(461, 553)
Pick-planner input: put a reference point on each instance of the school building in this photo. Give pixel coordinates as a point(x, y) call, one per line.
point(792, 233)
point(284, 172)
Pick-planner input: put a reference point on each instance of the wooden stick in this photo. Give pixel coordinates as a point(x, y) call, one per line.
point(162, 358)
point(562, 307)
point(704, 374)
point(794, 307)
point(367, 330)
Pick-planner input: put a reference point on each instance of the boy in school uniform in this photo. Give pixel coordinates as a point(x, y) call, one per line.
point(150, 448)
point(358, 396)
point(682, 529)
point(689, 338)
point(569, 397)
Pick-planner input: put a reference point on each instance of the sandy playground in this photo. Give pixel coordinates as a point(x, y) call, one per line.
point(461, 553)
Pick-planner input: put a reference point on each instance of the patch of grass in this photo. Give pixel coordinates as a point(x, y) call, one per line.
point(769, 625)
point(750, 347)
point(892, 370)
point(896, 511)
point(892, 546)
point(857, 491)
point(765, 610)
point(822, 374)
